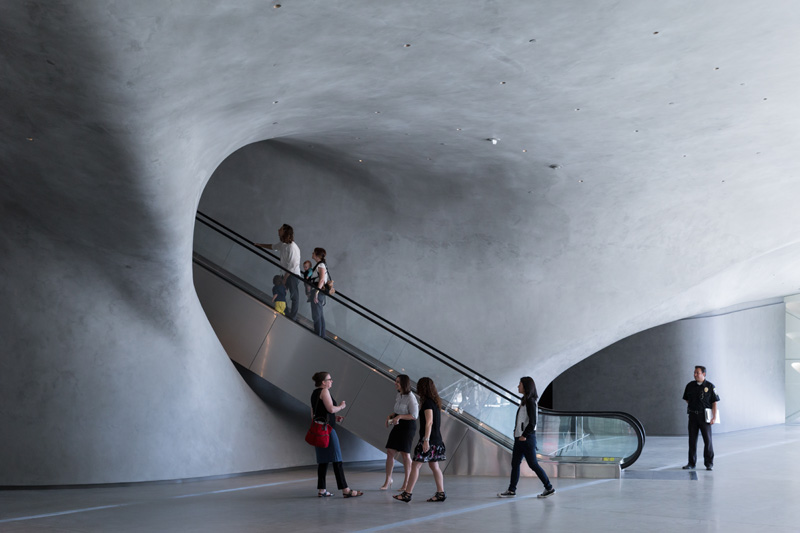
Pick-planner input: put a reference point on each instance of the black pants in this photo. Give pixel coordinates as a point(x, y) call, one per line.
point(526, 449)
point(697, 422)
point(291, 284)
point(317, 314)
point(338, 471)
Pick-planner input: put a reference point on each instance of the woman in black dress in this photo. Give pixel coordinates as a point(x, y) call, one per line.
point(323, 407)
point(404, 425)
point(430, 448)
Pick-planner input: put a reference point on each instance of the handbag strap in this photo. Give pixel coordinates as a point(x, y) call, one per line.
point(313, 415)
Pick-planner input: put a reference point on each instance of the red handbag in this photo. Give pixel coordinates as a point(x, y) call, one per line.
point(319, 434)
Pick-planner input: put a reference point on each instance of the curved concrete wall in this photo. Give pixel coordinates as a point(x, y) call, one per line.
point(109, 371)
point(645, 374)
point(583, 225)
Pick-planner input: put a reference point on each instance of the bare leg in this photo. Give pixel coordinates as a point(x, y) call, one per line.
point(389, 467)
point(437, 476)
point(412, 478)
point(406, 457)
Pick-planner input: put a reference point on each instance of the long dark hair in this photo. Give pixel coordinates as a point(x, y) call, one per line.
point(427, 389)
point(405, 383)
point(529, 386)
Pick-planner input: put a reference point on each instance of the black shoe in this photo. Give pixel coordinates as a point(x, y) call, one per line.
point(546, 493)
point(403, 497)
point(438, 497)
point(709, 467)
point(688, 467)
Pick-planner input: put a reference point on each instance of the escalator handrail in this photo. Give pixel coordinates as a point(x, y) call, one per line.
point(641, 436)
point(416, 342)
point(460, 368)
point(488, 431)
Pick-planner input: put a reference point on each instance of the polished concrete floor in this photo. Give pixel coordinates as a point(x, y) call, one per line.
point(755, 486)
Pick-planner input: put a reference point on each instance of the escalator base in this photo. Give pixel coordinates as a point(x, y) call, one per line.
point(581, 470)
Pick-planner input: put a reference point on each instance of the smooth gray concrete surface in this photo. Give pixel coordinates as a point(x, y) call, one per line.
point(753, 488)
point(645, 374)
point(646, 171)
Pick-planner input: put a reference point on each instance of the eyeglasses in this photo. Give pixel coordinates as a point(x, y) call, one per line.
point(329, 379)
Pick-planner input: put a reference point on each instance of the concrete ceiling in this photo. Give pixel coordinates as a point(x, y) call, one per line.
point(646, 167)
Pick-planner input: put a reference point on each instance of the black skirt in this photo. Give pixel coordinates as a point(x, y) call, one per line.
point(402, 436)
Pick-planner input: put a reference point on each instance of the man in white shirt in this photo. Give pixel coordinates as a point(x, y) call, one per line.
point(290, 260)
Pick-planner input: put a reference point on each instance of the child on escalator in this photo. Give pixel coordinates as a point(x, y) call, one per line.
point(279, 294)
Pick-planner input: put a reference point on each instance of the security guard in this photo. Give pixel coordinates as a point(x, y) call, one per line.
point(700, 395)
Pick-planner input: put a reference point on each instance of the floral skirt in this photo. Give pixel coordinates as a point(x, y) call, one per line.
point(436, 453)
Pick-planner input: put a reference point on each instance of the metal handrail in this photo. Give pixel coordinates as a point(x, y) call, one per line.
point(367, 314)
point(426, 348)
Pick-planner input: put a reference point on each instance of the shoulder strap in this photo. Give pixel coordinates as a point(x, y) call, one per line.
point(314, 414)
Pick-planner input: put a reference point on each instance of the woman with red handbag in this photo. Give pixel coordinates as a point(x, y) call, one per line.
point(323, 408)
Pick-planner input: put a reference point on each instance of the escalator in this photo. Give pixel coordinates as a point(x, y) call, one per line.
point(364, 352)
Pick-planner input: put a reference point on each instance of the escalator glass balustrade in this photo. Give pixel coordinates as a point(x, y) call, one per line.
point(475, 400)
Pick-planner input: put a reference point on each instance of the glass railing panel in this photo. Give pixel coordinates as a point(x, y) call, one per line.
point(473, 398)
point(585, 438)
point(360, 332)
point(211, 244)
point(493, 410)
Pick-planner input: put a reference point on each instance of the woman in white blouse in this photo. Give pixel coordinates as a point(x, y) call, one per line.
point(401, 439)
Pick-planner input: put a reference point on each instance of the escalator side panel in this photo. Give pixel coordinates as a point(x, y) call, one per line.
point(369, 410)
point(477, 456)
point(290, 354)
point(240, 321)
point(286, 354)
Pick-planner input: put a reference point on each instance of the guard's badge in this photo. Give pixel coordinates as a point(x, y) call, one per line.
point(705, 389)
